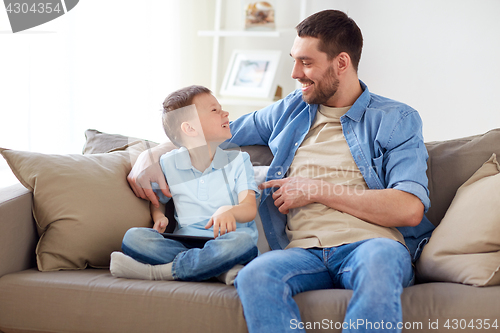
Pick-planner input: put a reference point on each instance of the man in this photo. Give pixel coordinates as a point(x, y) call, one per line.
point(349, 213)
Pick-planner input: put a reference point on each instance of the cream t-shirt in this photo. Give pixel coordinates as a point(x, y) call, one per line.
point(324, 154)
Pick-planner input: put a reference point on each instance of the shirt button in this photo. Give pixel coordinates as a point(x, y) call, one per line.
point(296, 144)
point(278, 173)
point(202, 181)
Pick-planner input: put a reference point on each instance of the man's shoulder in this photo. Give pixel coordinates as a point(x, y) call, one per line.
point(388, 106)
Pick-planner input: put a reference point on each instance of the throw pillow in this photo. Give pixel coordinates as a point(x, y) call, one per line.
point(82, 205)
point(465, 247)
point(99, 142)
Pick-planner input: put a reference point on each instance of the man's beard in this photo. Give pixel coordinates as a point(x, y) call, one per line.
point(324, 89)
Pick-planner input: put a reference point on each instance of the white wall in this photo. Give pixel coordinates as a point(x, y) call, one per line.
point(440, 56)
point(106, 65)
point(109, 64)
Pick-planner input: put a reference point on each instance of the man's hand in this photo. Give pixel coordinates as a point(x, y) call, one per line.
point(145, 171)
point(161, 224)
point(293, 192)
point(223, 221)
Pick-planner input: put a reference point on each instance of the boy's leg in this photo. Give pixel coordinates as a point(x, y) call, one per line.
point(215, 258)
point(266, 287)
point(376, 271)
point(148, 246)
point(148, 255)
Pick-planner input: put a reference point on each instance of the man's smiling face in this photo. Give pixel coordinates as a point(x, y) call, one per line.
point(314, 71)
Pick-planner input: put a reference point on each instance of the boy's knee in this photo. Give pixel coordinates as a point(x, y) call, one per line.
point(134, 237)
point(240, 239)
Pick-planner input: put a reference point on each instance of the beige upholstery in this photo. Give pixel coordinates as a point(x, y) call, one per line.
point(92, 301)
point(18, 234)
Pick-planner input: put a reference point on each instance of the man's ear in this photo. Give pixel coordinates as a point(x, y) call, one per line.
point(343, 62)
point(188, 129)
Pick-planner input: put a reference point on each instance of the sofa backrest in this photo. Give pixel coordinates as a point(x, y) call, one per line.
point(450, 164)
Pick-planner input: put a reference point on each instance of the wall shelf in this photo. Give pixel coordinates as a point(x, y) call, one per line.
point(217, 33)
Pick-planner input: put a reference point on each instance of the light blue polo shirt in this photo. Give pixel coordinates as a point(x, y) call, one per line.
point(197, 195)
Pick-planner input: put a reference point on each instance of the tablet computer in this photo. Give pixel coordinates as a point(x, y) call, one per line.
point(187, 238)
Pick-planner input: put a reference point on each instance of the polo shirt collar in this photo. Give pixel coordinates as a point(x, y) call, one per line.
point(183, 159)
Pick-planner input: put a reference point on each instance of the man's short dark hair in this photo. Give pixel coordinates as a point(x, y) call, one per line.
point(337, 33)
point(178, 101)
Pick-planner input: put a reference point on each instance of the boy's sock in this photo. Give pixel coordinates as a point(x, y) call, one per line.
point(229, 276)
point(127, 267)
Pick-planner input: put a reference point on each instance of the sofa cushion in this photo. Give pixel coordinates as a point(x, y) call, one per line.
point(93, 301)
point(100, 142)
point(82, 205)
point(97, 142)
point(451, 163)
point(465, 247)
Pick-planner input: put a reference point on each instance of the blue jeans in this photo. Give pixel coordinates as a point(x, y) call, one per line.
point(376, 270)
point(191, 261)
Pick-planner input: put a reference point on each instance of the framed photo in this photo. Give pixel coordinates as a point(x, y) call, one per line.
point(251, 73)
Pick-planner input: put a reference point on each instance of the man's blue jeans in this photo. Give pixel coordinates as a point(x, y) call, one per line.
point(376, 270)
point(191, 261)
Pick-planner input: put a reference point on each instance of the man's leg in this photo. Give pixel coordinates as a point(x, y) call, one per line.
point(216, 257)
point(377, 271)
point(268, 283)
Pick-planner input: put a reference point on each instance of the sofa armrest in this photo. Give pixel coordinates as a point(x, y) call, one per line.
point(18, 235)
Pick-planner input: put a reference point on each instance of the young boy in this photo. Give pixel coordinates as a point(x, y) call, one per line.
point(214, 194)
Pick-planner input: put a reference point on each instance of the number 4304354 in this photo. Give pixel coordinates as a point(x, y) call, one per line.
point(39, 8)
point(462, 324)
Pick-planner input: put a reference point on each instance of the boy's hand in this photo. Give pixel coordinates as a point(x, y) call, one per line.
point(223, 221)
point(161, 224)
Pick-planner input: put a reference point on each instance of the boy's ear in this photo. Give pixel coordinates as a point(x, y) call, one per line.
point(188, 129)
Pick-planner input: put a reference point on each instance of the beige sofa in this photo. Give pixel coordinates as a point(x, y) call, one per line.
point(91, 300)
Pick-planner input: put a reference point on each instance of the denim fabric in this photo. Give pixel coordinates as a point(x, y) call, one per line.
point(376, 270)
point(384, 137)
point(191, 261)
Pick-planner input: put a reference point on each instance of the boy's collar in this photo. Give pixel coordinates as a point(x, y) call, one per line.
point(183, 159)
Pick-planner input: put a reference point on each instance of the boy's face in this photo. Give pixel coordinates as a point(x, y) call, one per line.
point(214, 121)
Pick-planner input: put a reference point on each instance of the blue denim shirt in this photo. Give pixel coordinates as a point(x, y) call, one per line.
point(385, 140)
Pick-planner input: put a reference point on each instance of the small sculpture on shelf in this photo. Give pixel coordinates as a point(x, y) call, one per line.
point(259, 16)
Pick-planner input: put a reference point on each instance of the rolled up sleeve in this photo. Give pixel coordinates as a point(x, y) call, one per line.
point(406, 159)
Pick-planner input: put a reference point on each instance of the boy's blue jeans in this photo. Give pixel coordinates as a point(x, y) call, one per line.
point(191, 261)
point(376, 270)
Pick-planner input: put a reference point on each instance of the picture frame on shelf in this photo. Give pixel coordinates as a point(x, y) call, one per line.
point(251, 74)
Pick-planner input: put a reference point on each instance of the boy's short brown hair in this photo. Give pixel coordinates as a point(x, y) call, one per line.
point(178, 101)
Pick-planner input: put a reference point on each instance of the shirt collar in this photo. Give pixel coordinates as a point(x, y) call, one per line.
point(358, 109)
point(183, 160)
